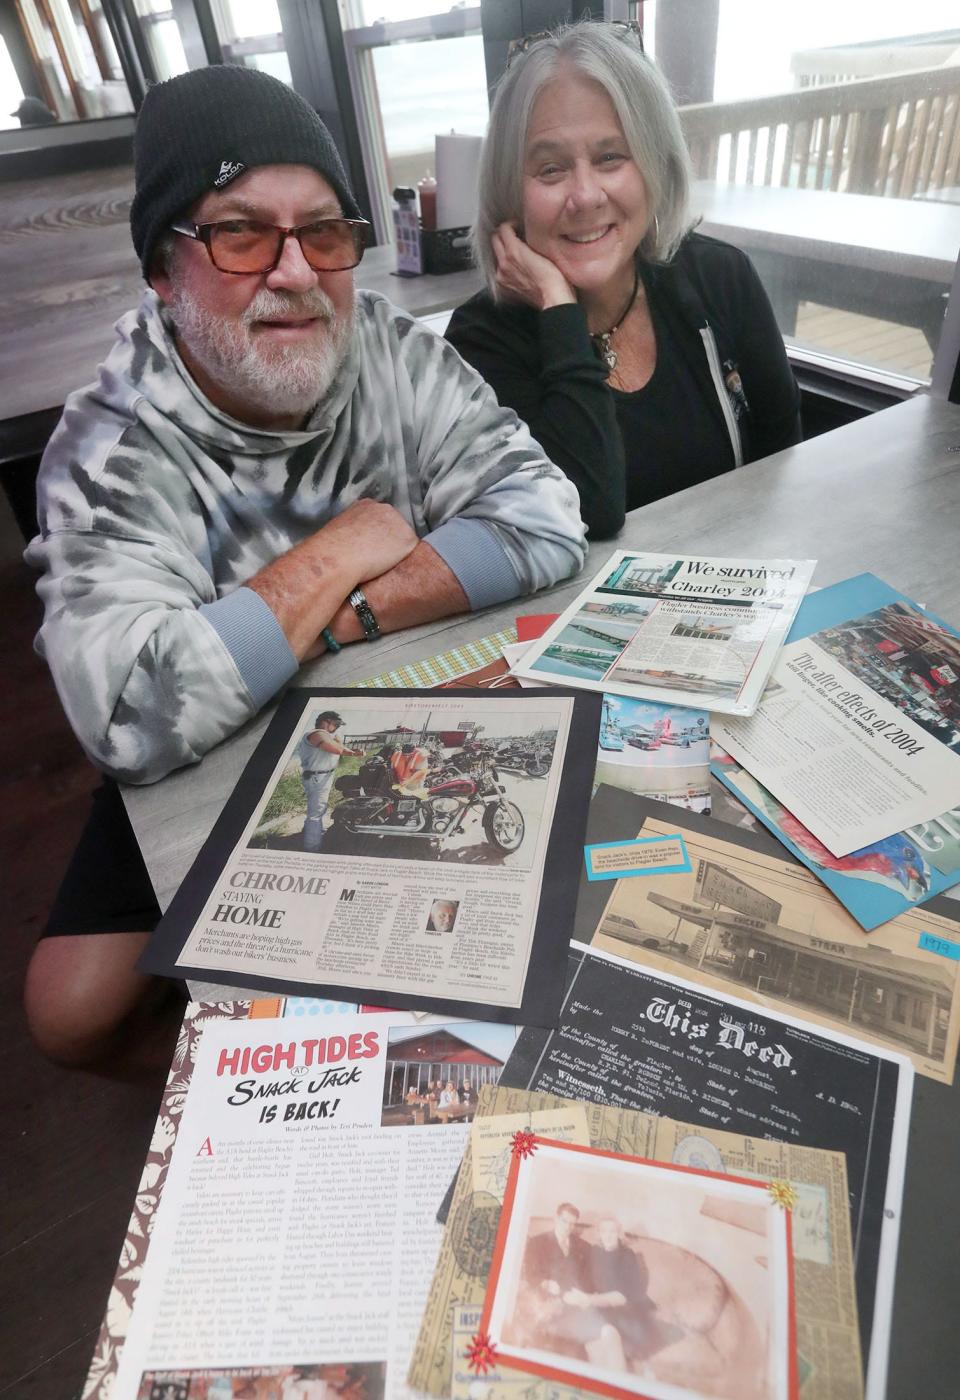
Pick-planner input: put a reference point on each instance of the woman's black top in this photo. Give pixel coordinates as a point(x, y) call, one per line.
point(722, 386)
point(671, 437)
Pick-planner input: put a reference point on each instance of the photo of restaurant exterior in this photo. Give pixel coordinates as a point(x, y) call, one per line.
point(422, 1063)
point(873, 990)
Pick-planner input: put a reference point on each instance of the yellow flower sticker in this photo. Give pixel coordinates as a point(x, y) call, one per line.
point(783, 1194)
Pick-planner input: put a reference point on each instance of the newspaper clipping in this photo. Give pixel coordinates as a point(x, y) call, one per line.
point(695, 631)
point(858, 734)
point(397, 848)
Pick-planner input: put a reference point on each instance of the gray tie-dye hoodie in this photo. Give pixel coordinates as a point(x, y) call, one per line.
point(155, 507)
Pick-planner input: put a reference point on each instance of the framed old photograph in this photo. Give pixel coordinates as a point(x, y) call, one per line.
point(628, 1277)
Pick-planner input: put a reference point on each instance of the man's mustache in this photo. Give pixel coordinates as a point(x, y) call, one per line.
point(267, 306)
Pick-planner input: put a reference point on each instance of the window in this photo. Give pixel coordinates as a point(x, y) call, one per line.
point(828, 980)
point(414, 75)
point(425, 89)
point(74, 58)
point(11, 93)
point(250, 33)
point(826, 143)
point(162, 37)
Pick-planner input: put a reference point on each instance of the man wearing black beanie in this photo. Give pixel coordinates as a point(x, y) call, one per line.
point(270, 465)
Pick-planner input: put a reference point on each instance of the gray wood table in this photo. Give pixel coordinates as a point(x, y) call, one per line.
point(917, 239)
point(888, 258)
point(882, 495)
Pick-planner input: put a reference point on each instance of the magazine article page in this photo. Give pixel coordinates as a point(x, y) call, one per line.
point(853, 763)
point(398, 847)
point(877, 882)
point(296, 1234)
point(693, 631)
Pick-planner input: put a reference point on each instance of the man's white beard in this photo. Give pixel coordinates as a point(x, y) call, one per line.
point(285, 379)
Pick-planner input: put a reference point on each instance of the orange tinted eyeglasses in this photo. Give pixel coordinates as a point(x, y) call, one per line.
point(242, 246)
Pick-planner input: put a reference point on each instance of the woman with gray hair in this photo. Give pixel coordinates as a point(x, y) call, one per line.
point(645, 357)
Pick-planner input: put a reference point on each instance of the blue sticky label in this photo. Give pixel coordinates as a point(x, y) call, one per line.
point(639, 857)
point(933, 943)
point(318, 1006)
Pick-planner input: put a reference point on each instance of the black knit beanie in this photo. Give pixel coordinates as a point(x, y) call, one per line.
point(199, 131)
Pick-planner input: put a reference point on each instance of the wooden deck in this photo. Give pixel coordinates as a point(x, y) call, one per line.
point(864, 339)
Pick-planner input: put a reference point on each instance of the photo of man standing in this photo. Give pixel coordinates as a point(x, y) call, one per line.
point(319, 753)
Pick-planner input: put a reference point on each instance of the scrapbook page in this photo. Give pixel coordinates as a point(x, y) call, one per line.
point(679, 1221)
point(630, 1037)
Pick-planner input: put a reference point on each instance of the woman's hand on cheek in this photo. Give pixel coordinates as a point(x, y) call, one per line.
point(527, 276)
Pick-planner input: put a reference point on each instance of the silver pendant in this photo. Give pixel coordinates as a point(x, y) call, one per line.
point(607, 354)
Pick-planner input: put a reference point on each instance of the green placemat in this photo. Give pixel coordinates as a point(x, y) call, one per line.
point(420, 675)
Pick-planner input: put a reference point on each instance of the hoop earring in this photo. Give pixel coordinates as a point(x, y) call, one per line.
point(656, 231)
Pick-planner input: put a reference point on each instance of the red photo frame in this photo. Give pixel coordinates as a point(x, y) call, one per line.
point(492, 1349)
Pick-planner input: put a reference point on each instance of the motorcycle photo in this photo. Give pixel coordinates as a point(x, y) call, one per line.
point(373, 803)
point(531, 759)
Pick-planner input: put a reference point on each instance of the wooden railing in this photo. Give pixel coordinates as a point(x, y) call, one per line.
point(897, 136)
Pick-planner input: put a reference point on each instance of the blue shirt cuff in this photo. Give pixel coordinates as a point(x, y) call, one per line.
point(255, 640)
point(472, 552)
